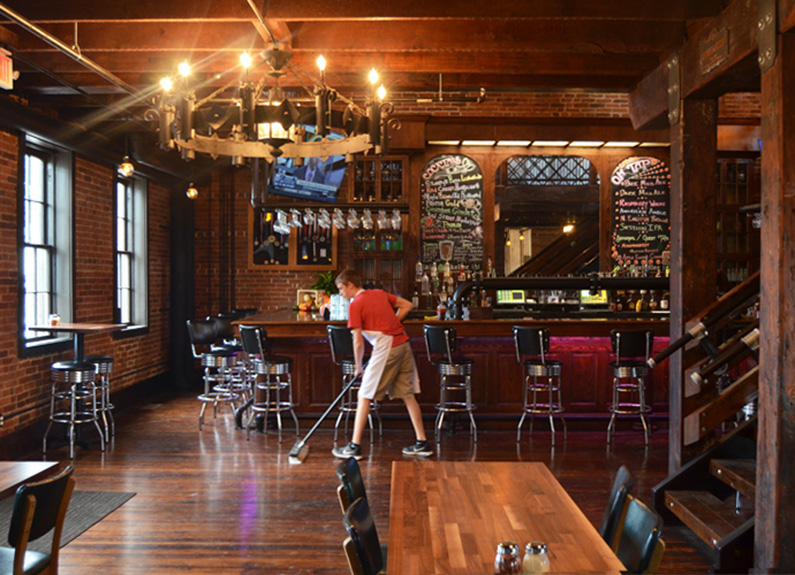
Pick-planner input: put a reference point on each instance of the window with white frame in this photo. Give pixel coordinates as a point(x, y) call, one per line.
point(46, 251)
point(132, 278)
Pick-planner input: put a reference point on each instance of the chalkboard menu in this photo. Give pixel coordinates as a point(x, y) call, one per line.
point(641, 224)
point(451, 219)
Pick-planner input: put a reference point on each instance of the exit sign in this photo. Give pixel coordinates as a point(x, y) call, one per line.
point(6, 70)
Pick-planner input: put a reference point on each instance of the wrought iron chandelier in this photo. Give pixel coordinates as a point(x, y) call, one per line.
point(260, 121)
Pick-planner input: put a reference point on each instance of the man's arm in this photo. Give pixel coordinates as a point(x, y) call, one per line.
point(403, 306)
point(358, 349)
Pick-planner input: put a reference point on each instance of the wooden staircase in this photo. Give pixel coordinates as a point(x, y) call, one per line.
point(567, 254)
point(714, 493)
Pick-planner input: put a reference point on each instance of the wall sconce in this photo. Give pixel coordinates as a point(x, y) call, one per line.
point(126, 167)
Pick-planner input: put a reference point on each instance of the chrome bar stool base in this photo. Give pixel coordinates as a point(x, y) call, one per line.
point(543, 379)
point(104, 365)
point(269, 373)
point(74, 388)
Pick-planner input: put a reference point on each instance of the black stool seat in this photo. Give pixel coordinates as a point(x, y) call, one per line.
point(73, 371)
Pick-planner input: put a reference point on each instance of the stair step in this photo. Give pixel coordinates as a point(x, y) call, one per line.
point(739, 474)
point(709, 517)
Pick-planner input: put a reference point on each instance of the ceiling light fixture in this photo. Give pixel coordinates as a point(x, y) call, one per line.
point(126, 167)
point(259, 120)
point(192, 192)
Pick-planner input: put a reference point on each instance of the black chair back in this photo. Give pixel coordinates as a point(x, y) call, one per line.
point(440, 342)
point(639, 535)
point(622, 484)
point(531, 341)
point(224, 330)
point(201, 331)
point(351, 481)
point(254, 340)
point(340, 340)
point(361, 529)
point(631, 344)
point(39, 508)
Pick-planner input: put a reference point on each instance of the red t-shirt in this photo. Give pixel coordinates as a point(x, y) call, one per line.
point(374, 310)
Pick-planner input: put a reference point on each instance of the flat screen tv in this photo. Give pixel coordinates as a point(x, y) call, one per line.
point(315, 180)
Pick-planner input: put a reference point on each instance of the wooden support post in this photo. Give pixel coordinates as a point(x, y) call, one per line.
point(775, 491)
point(693, 240)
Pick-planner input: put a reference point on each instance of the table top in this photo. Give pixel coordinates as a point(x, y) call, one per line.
point(80, 327)
point(449, 516)
point(15, 473)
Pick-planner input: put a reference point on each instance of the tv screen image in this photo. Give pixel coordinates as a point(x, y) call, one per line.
point(315, 180)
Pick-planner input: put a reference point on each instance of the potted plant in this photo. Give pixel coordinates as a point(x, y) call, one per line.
point(325, 281)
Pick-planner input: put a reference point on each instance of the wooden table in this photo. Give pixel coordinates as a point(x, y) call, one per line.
point(80, 330)
point(448, 516)
point(15, 473)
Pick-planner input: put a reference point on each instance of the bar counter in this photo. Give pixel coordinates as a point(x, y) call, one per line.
point(581, 343)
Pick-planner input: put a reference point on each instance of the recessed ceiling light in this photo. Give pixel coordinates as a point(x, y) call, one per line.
point(586, 143)
point(520, 143)
point(478, 142)
point(654, 144)
point(557, 143)
point(621, 144)
point(444, 142)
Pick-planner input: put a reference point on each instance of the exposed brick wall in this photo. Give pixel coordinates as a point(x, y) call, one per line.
point(522, 104)
point(25, 387)
point(740, 105)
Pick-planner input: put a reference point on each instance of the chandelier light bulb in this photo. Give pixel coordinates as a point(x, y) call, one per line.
point(184, 68)
point(521, 237)
point(381, 92)
point(166, 84)
point(126, 167)
point(192, 192)
point(373, 76)
point(321, 63)
point(245, 60)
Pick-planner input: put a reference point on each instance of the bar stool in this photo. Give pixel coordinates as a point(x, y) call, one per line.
point(73, 386)
point(104, 365)
point(226, 339)
point(217, 365)
point(632, 349)
point(440, 343)
point(340, 341)
point(278, 379)
point(541, 375)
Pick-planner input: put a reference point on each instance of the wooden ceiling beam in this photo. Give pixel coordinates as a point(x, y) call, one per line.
point(510, 64)
point(575, 36)
point(305, 10)
point(649, 102)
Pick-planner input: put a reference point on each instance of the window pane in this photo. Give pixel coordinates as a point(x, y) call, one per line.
point(43, 270)
point(124, 306)
point(34, 232)
point(29, 269)
point(34, 181)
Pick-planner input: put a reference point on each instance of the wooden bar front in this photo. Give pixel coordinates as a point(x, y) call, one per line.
point(582, 345)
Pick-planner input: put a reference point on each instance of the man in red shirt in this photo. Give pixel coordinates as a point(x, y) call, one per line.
point(391, 368)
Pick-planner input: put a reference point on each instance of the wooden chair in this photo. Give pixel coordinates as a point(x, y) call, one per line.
point(638, 537)
point(364, 552)
point(38, 509)
point(351, 485)
point(616, 504)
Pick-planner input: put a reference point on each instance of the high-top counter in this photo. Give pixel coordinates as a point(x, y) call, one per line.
point(582, 344)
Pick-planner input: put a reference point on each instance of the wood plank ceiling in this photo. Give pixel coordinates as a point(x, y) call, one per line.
point(500, 45)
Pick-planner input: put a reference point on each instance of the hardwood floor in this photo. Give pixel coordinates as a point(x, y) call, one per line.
point(211, 502)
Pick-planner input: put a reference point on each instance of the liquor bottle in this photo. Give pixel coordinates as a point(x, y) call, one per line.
point(418, 269)
point(665, 303)
point(425, 284)
point(490, 268)
point(462, 276)
point(415, 298)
